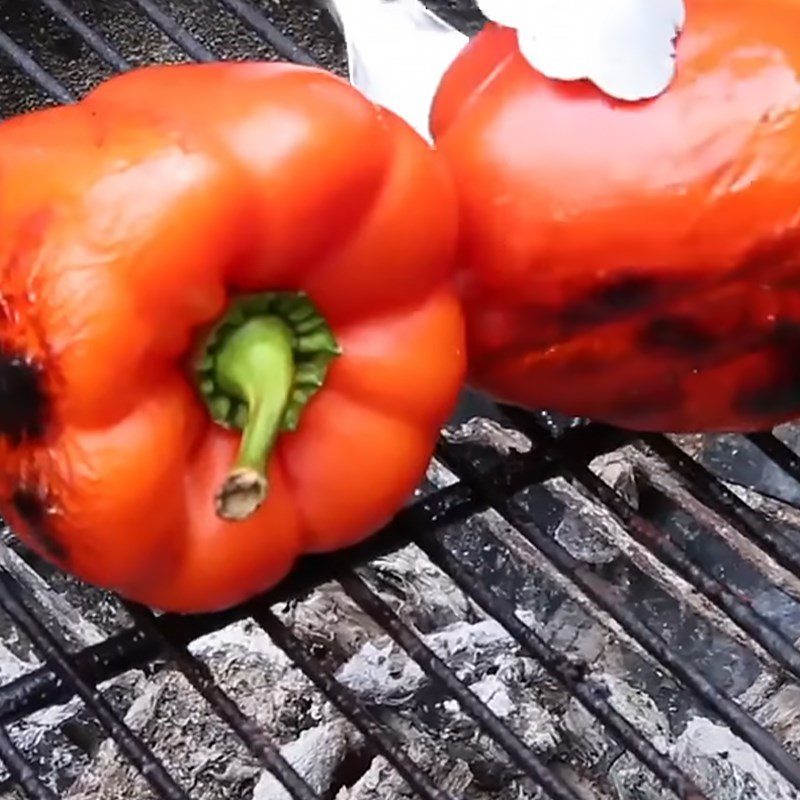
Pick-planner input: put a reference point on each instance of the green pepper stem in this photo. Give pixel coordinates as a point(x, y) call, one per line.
point(255, 365)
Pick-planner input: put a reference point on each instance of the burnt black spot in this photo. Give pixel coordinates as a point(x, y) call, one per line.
point(777, 398)
point(30, 506)
point(787, 332)
point(23, 401)
point(779, 395)
point(630, 292)
point(613, 299)
point(676, 335)
point(32, 509)
point(637, 407)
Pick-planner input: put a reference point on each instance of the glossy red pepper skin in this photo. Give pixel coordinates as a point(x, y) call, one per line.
point(635, 263)
point(128, 224)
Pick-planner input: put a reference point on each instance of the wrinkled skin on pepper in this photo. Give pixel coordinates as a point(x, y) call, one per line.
point(130, 224)
point(635, 263)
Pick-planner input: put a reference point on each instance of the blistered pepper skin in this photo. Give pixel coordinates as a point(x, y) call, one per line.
point(635, 263)
point(128, 224)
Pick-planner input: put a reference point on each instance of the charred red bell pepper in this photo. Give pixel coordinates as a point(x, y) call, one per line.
point(637, 263)
point(195, 250)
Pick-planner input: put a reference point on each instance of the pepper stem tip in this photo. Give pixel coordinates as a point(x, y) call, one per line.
point(241, 495)
point(260, 365)
point(256, 366)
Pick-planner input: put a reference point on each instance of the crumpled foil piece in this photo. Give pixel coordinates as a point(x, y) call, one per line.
point(625, 47)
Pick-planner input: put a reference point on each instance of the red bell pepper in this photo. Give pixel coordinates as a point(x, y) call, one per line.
point(228, 334)
point(637, 263)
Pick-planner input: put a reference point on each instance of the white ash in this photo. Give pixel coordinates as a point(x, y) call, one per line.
point(211, 763)
point(315, 754)
point(203, 754)
point(723, 766)
point(53, 607)
point(760, 695)
point(12, 666)
point(491, 434)
point(59, 740)
point(618, 470)
point(407, 581)
point(781, 714)
point(381, 672)
point(584, 531)
point(381, 781)
point(194, 744)
point(726, 766)
point(483, 656)
point(494, 694)
point(593, 744)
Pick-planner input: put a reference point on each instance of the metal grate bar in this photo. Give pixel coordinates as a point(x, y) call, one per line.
point(21, 772)
point(606, 596)
point(712, 493)
point(133, 748)
point(433, 666)
point(661, 544)
point(103, 48)
point(773, 448)
point(246, 728)
point(259, 22)
point(569, 673)
point(172, 28)
point(448, 506)
point(25, 62)
point(127, 650)
point(378, 735)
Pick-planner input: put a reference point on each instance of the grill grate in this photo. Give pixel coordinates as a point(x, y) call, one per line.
point(174, 30)
point(477, 488)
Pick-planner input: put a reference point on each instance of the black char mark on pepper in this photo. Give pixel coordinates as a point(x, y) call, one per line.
point(637, 407)
point(32, 509)
point(23, 401)
point(779, 395)
point(678, 336)
point(613, 299)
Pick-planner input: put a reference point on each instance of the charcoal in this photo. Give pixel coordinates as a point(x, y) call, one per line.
point(169, 715)
point(488, 433)
point(202, 752)
point(582, 531)
point(206, 757)
point(733, 458)
point(61, 740)
point(196, 746)
point(591, 743)
point(55, 605)
point(781, 714)
point(724, 767)
point(406, 580)
point(483, 656)
point(316, 754)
